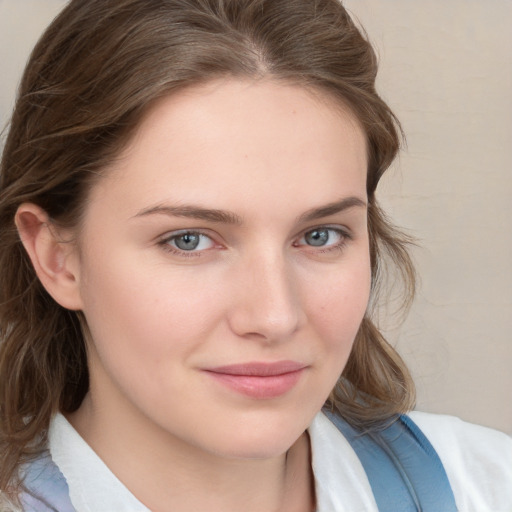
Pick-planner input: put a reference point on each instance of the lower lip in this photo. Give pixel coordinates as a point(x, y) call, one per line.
point(253, 386)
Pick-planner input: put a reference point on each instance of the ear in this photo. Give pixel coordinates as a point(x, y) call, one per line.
point(55, 260)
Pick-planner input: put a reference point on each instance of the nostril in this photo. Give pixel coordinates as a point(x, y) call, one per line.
point(272, 322)
point(265, 301)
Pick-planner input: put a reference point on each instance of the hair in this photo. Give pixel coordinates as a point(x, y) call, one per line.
point(89, 81)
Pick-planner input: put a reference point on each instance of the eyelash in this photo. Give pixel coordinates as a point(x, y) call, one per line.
point(165, 243)
point(344, 235)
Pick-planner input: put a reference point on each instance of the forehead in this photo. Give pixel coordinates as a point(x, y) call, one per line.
point(251, 140)
point(249, 104)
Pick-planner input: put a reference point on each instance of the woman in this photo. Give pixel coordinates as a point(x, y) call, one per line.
point(190, 240)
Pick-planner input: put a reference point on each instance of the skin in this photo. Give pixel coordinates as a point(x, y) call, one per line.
point(255, 289)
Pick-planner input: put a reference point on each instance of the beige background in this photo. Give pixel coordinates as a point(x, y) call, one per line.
point(446, 70)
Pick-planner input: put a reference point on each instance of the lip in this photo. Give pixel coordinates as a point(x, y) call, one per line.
point(260, 380)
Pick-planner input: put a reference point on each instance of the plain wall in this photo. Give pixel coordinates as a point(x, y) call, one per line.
point(446, 71)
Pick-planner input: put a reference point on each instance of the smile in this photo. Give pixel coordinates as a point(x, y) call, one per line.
point(259, 380)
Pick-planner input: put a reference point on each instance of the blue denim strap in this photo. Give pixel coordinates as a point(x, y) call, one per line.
point(404, 470)
point(46, 489)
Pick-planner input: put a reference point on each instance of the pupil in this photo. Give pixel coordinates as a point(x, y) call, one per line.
point(317, 237)
point(187, 242)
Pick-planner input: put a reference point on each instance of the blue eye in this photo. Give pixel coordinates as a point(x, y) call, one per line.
point(322, 237)
point(317, 237)
point(189, 241)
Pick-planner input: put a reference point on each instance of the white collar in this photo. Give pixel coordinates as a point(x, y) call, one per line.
point(341, 483)
point(92, 486)
point(340, 480)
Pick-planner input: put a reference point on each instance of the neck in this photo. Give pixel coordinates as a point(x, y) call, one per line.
point(165, 473)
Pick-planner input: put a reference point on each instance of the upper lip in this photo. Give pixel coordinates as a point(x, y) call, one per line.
point(259, 369)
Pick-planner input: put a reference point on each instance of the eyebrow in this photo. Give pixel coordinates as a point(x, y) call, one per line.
point(227, 217)
point(332, 208)
point(193, 212)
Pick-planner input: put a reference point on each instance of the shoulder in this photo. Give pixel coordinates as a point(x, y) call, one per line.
point(477, 460)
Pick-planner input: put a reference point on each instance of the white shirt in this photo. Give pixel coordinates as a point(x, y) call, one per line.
point(477, 460)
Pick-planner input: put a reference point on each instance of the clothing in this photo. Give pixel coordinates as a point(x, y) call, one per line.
point(478, 462)
point(403, 468)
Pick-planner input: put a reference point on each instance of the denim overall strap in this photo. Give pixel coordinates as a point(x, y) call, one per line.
point(404, 470)
point(45, 488)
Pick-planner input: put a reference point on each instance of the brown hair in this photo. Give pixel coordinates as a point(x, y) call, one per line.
point(90, 79)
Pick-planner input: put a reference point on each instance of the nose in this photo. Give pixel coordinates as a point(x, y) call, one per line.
point(266, 304)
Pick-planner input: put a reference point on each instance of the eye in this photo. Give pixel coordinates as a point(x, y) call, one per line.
point(188, 241)
point(323, 237)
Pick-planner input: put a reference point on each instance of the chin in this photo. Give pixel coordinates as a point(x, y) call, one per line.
point(258, 440)
point(245, 450)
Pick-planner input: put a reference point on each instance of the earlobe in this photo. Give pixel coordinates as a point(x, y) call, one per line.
point(54, 259)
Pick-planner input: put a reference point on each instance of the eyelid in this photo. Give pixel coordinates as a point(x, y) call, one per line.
point(344, 234)
point(164, 241)
point(342, 230)
point(177, 232)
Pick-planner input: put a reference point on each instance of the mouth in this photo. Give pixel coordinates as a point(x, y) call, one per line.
point(259, 380)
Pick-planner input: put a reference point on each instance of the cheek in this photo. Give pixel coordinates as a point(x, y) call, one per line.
point(139, 312)
point(146, 331)
point(338, 307)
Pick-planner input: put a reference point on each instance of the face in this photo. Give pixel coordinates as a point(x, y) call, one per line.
point(224, 266)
